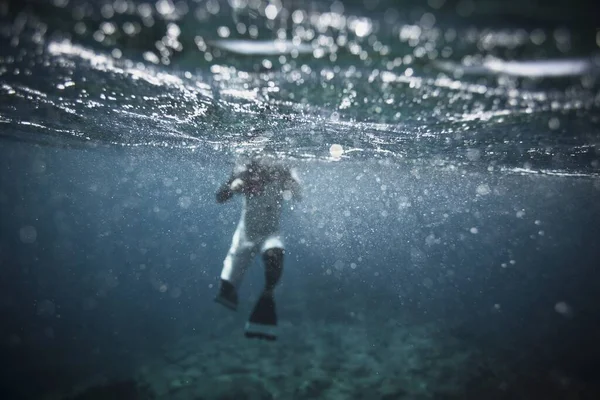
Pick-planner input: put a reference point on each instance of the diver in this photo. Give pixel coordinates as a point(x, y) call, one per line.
point(264, 184)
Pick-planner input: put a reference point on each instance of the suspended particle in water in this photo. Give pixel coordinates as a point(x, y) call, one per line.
point(553, 123)
point(99, 36)
point(483, 189)
point(427, 21)
point(474, 230)
point(562, 37)
point(271, 11)
point(473, 154)
point(537, 37)
point(107, 11)
point(185, 202)
point(165, 7)
point(336, 151)
point(298, 16)
point(108, 28)
point(175, 293)
point(563, 309)
point(223, 32)
point(431, 240)
point(520, 214)
point(318, 53)
point(38, 166)
point(61, 3)
point(80, 28)
point(253, 31)
point(28, 234)
point(362, 27)
point(436, 3)
point(151, 57)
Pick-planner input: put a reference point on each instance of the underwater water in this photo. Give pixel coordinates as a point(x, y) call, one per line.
point(446, 246)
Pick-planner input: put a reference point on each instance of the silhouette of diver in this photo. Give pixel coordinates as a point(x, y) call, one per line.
point(264, 184)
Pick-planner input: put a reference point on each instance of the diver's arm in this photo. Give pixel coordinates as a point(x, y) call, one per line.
point(234, 185)
point(224, 193)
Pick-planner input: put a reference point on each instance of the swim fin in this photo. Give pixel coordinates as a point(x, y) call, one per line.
point(263, 320)
point(227, 295)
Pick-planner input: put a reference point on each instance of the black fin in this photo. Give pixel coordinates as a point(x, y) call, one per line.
point(227, 295)
point(264, 336)
point(263, 320)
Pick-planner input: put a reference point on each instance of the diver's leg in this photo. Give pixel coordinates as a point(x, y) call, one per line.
point(273, 259)
point(235, 265)
point(263, 320)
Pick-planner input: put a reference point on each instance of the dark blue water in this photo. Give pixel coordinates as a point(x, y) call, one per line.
point(449, 251)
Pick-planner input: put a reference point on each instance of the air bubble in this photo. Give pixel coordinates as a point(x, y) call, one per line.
point(336, 151)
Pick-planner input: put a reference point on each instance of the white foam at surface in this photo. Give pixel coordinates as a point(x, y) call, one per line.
point(261, 47)
point(531, 69)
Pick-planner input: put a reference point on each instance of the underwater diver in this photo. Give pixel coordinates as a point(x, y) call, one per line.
point(264, 184)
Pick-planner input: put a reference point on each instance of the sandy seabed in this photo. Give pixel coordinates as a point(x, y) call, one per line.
point(332, 361)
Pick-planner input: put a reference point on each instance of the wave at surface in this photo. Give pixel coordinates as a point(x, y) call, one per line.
point(385, 88)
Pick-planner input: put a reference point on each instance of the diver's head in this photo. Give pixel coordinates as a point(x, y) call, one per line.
point(257, 163)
